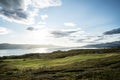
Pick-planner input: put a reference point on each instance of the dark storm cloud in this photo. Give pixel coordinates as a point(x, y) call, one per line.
point(59, 34)
point(13, 9)
point(111, 32)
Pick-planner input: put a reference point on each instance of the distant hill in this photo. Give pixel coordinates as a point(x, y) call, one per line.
point(104, 45)
point(22, 46)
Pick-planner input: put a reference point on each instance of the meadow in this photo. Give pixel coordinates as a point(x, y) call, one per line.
point(96, 64)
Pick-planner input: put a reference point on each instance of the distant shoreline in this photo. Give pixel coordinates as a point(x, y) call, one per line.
point(105, 50)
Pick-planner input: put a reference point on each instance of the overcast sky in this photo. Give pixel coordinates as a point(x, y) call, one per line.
point(59, 22)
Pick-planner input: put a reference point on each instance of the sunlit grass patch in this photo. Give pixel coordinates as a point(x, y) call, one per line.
point(37, 63)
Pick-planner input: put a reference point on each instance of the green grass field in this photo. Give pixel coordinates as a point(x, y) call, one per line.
point(37, 63)
point(69, 65)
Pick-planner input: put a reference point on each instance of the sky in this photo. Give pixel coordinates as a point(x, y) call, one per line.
point(66, 23)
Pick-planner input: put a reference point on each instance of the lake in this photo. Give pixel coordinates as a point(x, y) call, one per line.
point(9, 52)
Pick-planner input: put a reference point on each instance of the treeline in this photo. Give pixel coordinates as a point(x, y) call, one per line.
point(62, 54)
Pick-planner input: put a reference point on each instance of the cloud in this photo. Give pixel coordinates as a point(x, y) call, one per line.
point(80, 40)
point(111, 32)
point(62, 33)
point(46, 3)
point(37, 26)
point(24, 11)
point(44, 17)
point(69, 24)
point(98, 38)
point(30, 28)
point(41, 23)
point(90, 39)
point(4, 31)
point(13, 10)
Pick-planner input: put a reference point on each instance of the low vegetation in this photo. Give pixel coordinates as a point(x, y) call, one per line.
point(96, 64)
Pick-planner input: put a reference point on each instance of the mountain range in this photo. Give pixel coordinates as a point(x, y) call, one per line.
point(104, 45)
point(23, 46)
point(29, 46)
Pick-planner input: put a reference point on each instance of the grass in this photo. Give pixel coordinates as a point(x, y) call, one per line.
point(36, 63)
point(70, 65)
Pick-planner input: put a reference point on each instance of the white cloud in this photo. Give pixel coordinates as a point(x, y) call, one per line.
point(4, 31)
point(46, 3)
point(69, 24)
point(63, 33)
point(55, 36)
point(24, 11)
point(44, 17)
point(41, 23)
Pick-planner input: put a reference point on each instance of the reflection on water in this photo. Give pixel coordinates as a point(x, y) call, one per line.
point(41, 50)
point(8, 52)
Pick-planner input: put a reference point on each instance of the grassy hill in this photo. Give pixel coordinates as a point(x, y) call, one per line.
point(98, 64)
